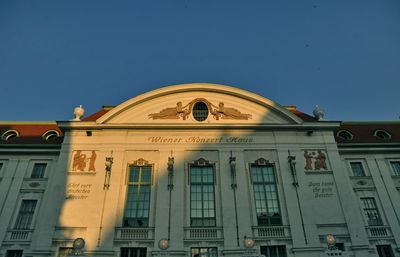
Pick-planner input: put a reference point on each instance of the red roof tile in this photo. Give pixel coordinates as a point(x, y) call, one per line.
point(364, 132)
point(31, 133)
point(96, 115)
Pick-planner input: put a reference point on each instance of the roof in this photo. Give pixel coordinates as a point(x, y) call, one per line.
point(363, 132)
point(30, 133)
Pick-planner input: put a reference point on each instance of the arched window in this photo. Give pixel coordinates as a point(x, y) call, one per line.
point(50, 134)
point(9, 134)
point(344, 134)
point(382, 134)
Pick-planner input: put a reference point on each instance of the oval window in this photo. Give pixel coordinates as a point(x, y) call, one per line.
point(200, 111)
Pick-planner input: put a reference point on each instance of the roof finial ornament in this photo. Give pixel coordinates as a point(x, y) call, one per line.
point(78, 112)
point(319, 113)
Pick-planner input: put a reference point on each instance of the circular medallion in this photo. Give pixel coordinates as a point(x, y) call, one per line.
point(78, 243)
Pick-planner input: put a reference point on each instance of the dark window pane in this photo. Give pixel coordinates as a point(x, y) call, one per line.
point(265, 195)
point(396, 168)
point(38, 170)
point(25, 215)
point(357, 169)
point(385, 251)
point(133, 252)
point(202, 199)
point(137, 206)
point(371, 212)
point(274, 251)
point(14, 253)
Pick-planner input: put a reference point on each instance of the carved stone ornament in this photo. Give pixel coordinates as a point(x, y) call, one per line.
point(315, 160)
point(141, 162)
point(262, 162)
point(201, 162)
point(84, 160)
point(218, 112)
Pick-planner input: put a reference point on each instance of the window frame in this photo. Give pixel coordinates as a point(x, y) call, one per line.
point(266, 250)
point(131, 249)
point(199, 254)
point(14, 252)
point(367, 212)
point(32, 218)
point(140, 163)
point(43, 174)
point(202, 163)
point(363, 169)
point(268, 220)
point(395, 172)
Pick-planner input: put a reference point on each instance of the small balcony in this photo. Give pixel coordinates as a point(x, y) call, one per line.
point(204, 234)
point(19, 235)
point(140, 234)
point(377, 232)
point(271, 232)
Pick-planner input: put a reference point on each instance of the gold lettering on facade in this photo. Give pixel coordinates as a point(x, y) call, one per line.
point(200, 140)
point(218, 112)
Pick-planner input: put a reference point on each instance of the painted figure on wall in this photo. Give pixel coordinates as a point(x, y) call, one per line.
point(308, 157)
point(79, 161)
point(92, 161)
point(320, 161)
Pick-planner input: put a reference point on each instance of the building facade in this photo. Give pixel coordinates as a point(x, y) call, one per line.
point(200, 170)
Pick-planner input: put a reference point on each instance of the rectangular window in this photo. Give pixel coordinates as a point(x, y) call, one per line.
point(202, 197)
point(371, 212)
point(204, 252)
point(396, 167)
point(274, 251)
point(265, 195)
point(14, 253)
point(25, 215)
point(340, 246)
point(385, 251)
point(357, 168)
point(138, 199)
point(38, 170)
point(133, 252)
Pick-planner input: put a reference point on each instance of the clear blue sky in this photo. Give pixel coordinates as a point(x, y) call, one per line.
point(341, 55)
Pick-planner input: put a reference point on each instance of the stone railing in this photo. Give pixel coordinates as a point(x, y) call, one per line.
point(19, 235)
point(134, 234)
point(379, 231)
point(271, 232)
point(206, 233)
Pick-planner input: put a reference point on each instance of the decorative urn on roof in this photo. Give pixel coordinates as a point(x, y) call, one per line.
point(319, 113)
point(78, 112)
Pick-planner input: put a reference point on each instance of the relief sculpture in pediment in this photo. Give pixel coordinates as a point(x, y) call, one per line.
point(218, 112)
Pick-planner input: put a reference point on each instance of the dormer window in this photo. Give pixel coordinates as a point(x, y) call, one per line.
point(9, 134)
point(344, 134)
point(382, 134)
point(50, 134)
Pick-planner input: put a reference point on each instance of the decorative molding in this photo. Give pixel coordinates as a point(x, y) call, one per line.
point(201, 162)
point(218, 112)
point(262, 162)
point(141, 162)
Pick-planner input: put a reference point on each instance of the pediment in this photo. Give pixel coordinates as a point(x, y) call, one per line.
point(182, 104)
